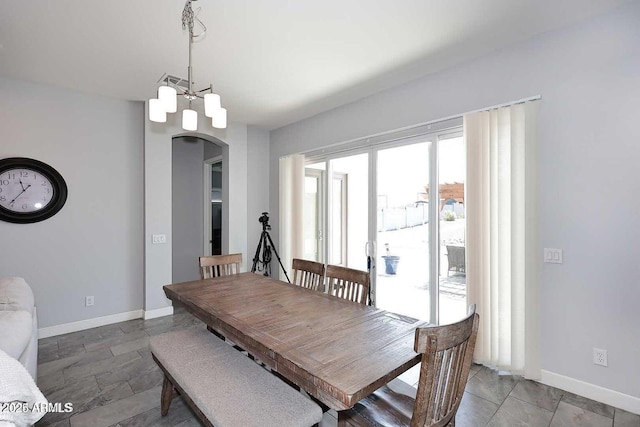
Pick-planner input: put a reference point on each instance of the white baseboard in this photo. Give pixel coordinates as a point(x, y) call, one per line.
point(592, 391)
point(159, 312)
point(81, 325)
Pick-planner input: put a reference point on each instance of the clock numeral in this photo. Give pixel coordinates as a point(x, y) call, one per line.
point(3, 199)
point(47, 190)
point(25, 206)
point(24, 174)
point(44, 183)
point(11, 175)
point(4, 182)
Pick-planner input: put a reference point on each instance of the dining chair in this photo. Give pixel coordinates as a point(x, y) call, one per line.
point(348, 283)
point(446, 361)
point(308, 274)
point(219, 265)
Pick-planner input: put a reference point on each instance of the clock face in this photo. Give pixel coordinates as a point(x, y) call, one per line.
point(25, 190)
point(30, 191)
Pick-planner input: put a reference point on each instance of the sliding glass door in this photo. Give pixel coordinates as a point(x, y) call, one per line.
point(373, 208)
point(452, 289)
point(336, 211)
point(402, 235)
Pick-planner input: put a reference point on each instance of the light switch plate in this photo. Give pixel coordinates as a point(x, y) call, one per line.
point(159, 238)
point(553, 255)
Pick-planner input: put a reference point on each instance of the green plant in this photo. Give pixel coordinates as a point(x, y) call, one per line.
point(449, 216)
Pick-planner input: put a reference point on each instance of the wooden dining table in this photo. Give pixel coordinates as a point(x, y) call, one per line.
point(335, 350)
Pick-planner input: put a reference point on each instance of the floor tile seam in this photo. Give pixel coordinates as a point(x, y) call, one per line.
point(562, 393)
point(64, 371)
point(591, 412)
point(112, 345)
point(496, 403)
point(496, 412)
point(597, 402)
point(532, 404)
point(484, 399)
point(112, 384)
point(480, 397)
point(615, 412)
point(553, 414)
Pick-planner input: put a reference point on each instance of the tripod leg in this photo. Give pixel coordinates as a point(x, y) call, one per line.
point(256, 257)
point(266, 254)
point(278, 257)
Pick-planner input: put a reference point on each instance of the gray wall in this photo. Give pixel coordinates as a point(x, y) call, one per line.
point(211, 150)
point(257, 177)
point(589, 80)
point(187, 207)
point(94, 245)
point(157, 199)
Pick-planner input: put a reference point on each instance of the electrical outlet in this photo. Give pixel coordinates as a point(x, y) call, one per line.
point(600, 357)
point(89, 301)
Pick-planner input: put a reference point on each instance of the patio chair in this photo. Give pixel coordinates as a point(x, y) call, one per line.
point(455, 258)
point(446, 361)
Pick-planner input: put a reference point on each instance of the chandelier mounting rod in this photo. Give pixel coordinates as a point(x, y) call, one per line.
point(166, 101)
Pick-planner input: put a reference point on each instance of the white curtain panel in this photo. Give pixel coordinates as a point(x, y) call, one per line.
point(291, 204)
point(502, 236)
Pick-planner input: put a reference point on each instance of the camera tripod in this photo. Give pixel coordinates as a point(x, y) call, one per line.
point(266, 244)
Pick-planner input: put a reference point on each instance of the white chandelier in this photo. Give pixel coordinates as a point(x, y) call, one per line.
point(167, 101)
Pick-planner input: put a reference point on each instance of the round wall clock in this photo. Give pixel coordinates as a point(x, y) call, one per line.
point(30, 191)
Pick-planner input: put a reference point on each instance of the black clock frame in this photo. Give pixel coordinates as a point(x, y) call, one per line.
point(59, 191)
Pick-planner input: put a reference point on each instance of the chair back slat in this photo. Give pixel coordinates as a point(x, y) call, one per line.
point(219, 265)
point(446, 361)
point(347, 283)
point(308, 274)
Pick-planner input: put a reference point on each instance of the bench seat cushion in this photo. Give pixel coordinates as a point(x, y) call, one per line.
point(229, 388)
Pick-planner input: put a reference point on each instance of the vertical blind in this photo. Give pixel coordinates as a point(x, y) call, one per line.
point(502, 231)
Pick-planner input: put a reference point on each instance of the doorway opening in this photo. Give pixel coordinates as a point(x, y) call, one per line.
point(191, 189)
point(215, 238)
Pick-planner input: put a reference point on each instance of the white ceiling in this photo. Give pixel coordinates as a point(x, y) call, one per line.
point(273, 61)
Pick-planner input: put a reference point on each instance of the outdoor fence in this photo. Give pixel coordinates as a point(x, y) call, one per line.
point(396, 218)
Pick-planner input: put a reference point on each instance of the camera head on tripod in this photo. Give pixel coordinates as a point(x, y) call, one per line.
point(264, 220)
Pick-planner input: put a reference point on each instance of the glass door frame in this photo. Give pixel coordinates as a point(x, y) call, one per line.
point(372, 149)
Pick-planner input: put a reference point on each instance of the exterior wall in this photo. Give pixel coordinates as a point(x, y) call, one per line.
point(587, 76)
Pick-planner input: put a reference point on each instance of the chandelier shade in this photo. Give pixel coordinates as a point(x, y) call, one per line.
point(168, 98)
point(211, 104)
point(219, 119)
point(189, 119)
point(157, 113)
point(172, 87)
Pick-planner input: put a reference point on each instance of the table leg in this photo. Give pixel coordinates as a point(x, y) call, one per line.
point(342, 419)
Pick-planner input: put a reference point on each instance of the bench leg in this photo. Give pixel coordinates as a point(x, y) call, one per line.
point(167, 395)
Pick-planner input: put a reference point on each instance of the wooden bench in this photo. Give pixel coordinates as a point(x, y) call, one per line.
point(224, 387)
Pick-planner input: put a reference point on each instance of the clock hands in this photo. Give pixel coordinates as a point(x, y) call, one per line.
point(23, 190)
point(21, 184)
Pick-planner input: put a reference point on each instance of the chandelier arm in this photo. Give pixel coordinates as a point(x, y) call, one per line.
point(184, 87)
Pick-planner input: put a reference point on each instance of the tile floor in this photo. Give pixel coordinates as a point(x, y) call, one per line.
point(109, 376)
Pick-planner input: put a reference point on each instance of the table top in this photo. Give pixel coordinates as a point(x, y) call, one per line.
point(336, 350)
